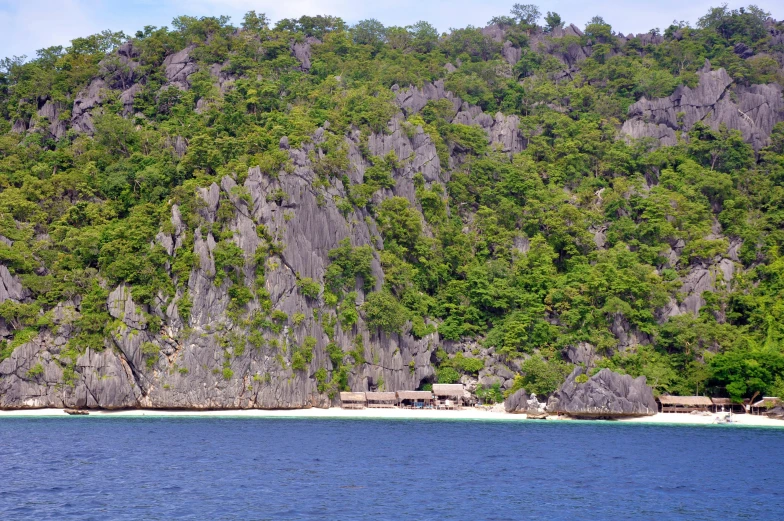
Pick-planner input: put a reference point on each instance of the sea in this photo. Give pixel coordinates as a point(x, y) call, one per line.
point(322, 469)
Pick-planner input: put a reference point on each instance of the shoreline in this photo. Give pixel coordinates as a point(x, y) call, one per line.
point(467, 414)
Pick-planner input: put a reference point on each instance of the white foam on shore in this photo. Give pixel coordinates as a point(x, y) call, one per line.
point(469, 413)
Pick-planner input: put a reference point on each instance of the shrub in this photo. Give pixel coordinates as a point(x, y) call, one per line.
point(36, 371)
point(309, 287)
point(150, 353)
point(491, 394)
point(348, 263)
point(383, 311)
point(541, 376)
point(348, 315)
point(447, 375)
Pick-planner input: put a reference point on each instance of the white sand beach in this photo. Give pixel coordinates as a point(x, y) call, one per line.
point(468, 413)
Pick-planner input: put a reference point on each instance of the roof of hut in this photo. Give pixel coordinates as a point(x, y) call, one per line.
point(352, 397)
point(721, 401)
point(766, 401)
point(414, 395)
point(381, 397)
point(448, 390)
point(688, 401)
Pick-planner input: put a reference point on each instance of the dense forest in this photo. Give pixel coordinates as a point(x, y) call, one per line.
point(422, 208)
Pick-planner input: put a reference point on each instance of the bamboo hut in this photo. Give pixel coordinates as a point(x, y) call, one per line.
point(448, 396)
point(388, 399)
point(353, 400)
point(415, 399)
point(726, 404)
point(685, 403)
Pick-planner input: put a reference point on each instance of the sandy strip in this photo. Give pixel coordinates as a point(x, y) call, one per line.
point(693, 419)
point(469, 413)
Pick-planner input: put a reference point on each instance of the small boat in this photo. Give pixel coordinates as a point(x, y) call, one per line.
point(723, 417)
point(76, 412)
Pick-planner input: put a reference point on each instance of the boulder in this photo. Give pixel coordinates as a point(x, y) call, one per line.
point(776, 412)
point(604, 395)
point(517, 402)
point(179, 66)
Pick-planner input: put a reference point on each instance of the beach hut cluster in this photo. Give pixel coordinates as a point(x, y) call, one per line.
point(698, 404)
point(443, 396)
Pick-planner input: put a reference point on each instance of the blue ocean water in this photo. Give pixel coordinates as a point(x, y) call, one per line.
point(222, 468)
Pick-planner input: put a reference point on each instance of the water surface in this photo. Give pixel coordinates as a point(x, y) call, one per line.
point(222, 468)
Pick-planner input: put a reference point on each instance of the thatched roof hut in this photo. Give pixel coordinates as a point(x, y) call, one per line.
point(767, 402)
point(684, 403)
point(448, 390)
point(688, 401)
point(726, 404)
point(353, 400)
point(415, 395)
point(379, 399)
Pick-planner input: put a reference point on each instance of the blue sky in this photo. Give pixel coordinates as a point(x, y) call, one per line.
point(27, 25)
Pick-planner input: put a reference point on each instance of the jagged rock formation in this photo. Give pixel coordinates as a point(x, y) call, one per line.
point(501, 129)
point(517, 402)
point(752, 110)
point(520, 403)
point(187, 371)
point(604, 395)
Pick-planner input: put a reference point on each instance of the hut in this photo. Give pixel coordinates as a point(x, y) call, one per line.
point(415, 399)
point(353, 400)
point(388, 399)
point(448, 396)
point(762, 406)
point(685, 403)
point(725, 404)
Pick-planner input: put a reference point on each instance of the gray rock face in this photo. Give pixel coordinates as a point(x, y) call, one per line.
point(419, 148)
point(517, 402)
point(511, 53)
point(581, 354)
point(503, 130)
point(700, 278)
point(179, 66)
point(120, 69)
point(122, 307)
point(85, 102)
point(301, 51)
point(50, 113)
point(10, 287)
point(605, 395)
point(752, 110)
point(204, 360)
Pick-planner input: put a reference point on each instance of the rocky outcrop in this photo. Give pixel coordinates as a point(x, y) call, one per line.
point(517, 402)
point(776, 412)
point(85, 102)
point(752, 110)
point(50, 113)
point(604, 395)
point(701, 278)
point(502, 130)
point(302, 51)
point(520, 403)
point(10, 287)
point(178, 68)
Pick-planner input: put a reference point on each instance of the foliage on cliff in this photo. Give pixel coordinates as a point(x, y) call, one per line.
point(579, 236)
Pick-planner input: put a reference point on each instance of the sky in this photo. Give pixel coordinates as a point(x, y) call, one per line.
point(28, 25)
